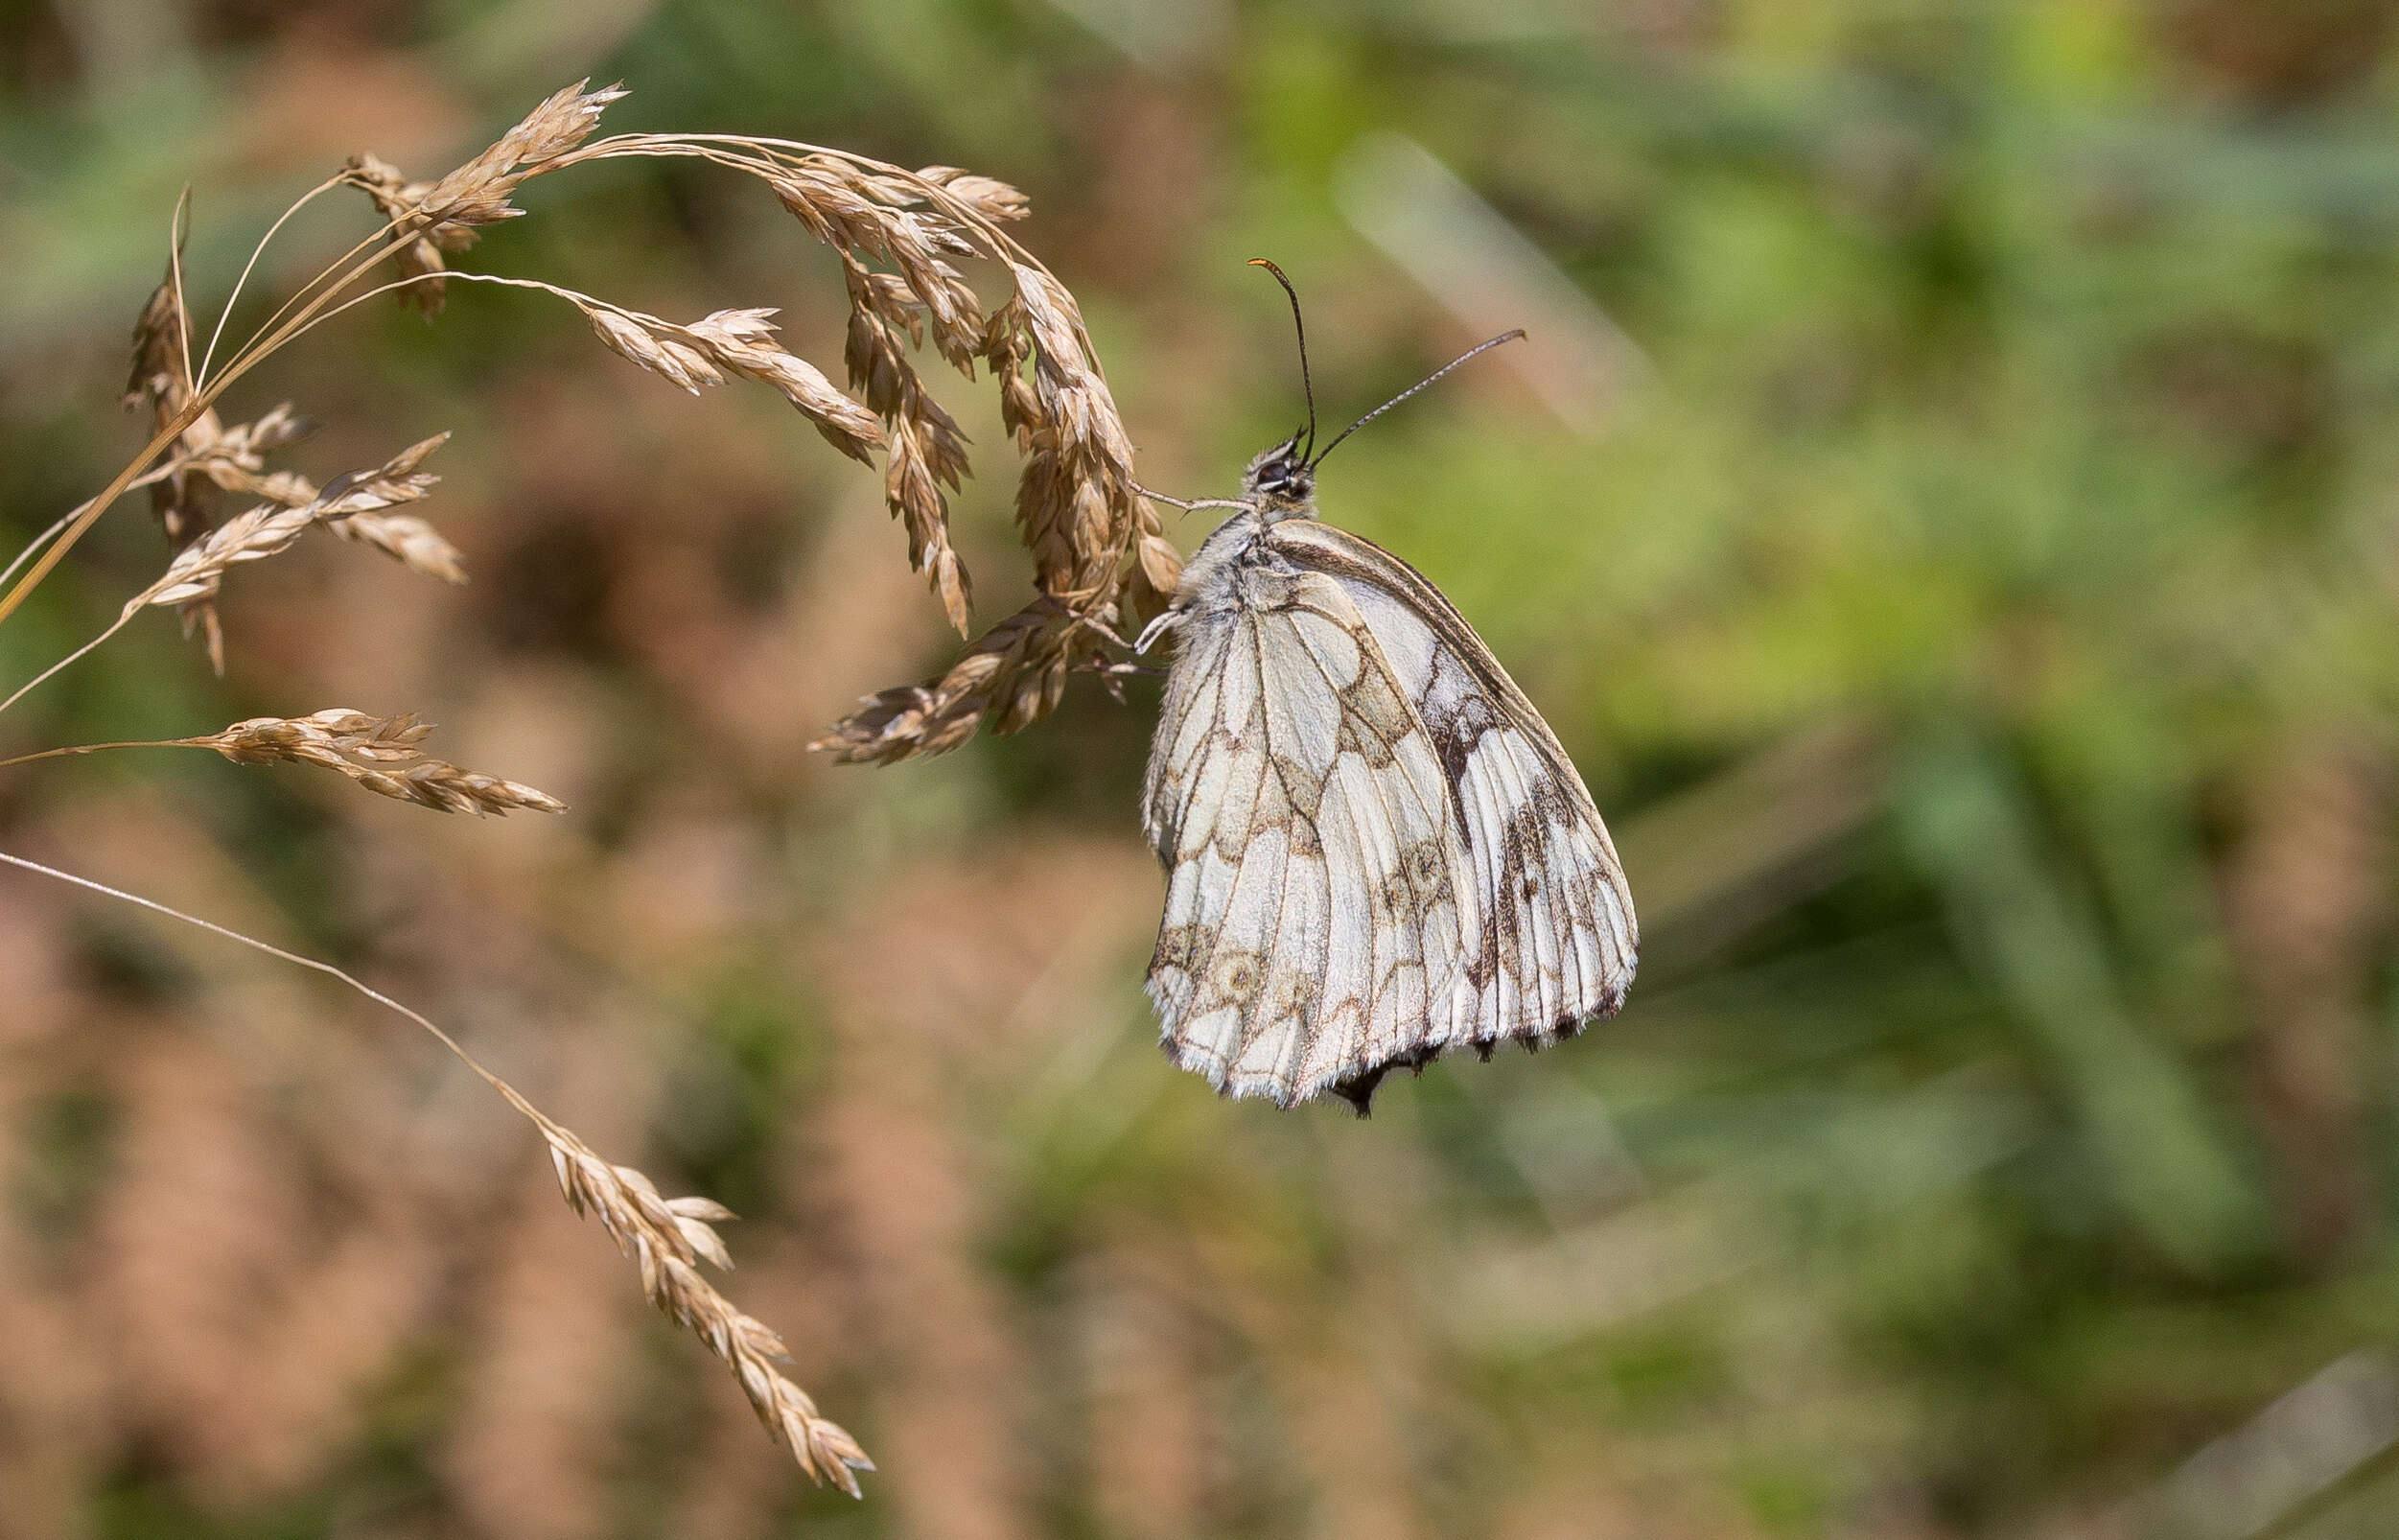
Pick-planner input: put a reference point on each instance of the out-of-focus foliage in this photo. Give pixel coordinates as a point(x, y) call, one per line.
point(1948, 508)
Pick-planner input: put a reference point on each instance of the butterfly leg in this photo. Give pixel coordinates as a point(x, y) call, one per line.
point(1105, 631)
point(1187, 506)
point(1112, 675)
point(1160, 624)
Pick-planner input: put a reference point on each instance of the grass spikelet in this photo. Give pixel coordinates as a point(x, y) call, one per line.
point(1098, 552)
point(476, 193)
point(418, 248)
point(427, 222)
point(1013, 674)
point(406, 539)
point(379, 753)
point(929, 450)
point(161, 379)
point(743, 341)
point(994, 199)
point(649, 342)
point(740, 342)
point(270, 528)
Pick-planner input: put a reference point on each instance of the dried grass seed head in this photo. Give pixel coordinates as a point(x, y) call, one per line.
point(431, 222)
point(379, 753)
point(270, 528)
point(1099, 552)
point(667, 1239)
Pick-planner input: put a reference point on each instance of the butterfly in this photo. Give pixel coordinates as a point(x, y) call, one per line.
point(1376, 850)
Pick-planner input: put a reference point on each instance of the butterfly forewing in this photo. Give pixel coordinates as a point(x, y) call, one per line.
point(1376, 850)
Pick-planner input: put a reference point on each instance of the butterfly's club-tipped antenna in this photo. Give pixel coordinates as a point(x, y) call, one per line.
point(1318, 457)
point(1307, 386)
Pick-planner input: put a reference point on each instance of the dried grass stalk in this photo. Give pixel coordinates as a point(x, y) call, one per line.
point(404, 537)
point(379, 753)
point(667, 1238)
point(1014, 674)
point(992, 200)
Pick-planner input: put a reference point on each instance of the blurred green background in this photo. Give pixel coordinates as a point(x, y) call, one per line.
point(1947, 507)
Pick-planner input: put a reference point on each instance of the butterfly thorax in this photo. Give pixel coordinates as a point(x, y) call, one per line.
point(1235, 568)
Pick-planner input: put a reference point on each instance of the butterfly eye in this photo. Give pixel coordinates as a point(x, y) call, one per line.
point(1284, 473)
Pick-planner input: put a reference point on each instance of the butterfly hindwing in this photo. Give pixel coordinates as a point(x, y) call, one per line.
point(1558, 943)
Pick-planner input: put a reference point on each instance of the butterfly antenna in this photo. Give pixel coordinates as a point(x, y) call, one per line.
point(1307, 387)
point(1480, 347)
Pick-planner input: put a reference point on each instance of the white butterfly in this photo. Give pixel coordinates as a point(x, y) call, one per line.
point(1376, 850)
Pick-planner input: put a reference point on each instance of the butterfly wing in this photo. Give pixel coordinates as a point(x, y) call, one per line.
point(1376, 848)
point(1318, 906)
point(1557, 939)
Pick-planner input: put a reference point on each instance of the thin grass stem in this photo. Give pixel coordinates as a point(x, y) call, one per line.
point(256, 252)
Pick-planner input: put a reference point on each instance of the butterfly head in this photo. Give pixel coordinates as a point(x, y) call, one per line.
point(1281, 482)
